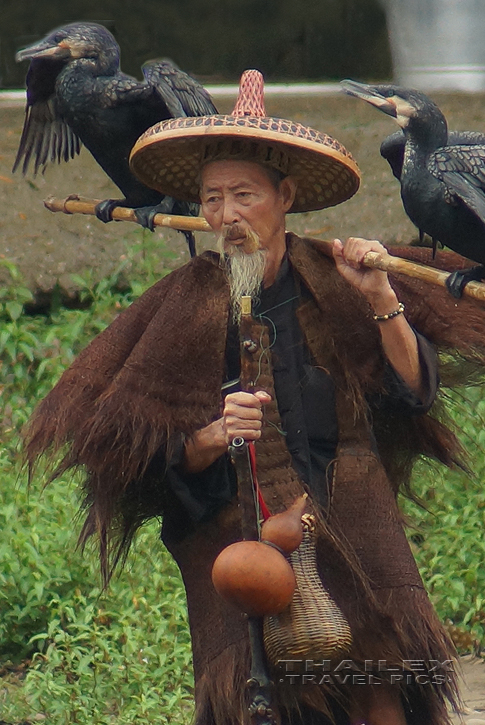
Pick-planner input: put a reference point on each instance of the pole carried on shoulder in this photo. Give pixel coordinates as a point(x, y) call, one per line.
point(385, 262)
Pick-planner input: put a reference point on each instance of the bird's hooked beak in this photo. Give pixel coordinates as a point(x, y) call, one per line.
point(391, 103)
point(45, 49)
point(371, 95)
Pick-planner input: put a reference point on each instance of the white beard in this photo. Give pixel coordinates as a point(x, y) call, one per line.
point(245, 273)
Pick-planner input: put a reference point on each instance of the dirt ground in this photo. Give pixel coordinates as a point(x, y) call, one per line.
point(472, 691)
point(50, 247)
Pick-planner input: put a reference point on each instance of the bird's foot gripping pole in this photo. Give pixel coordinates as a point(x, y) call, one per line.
point(74, 204)
point(457, 281)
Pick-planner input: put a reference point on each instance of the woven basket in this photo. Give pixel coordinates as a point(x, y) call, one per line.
point(312, 626)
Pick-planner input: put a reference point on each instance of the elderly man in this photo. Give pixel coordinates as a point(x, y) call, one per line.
point(241, 201)
point(150, 407)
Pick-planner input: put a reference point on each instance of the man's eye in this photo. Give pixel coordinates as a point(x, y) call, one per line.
point(243, 194)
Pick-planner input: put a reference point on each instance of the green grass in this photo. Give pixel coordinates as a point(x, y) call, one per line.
point(76, 655)
point(117, 657)
point(448, 537)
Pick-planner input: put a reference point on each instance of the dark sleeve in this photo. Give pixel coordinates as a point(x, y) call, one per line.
point(398, 397)
point(201, 494)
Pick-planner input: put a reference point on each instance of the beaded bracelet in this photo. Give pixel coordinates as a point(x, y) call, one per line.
point(390, 315)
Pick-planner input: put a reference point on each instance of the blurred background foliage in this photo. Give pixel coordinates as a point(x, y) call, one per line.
point(217, 39)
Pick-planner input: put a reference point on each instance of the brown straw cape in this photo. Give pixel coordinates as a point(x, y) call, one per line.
point(169, 156)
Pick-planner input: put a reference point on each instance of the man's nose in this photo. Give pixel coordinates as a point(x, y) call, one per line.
point(230, 214)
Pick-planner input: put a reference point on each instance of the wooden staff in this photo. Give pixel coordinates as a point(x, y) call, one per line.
point(376, 260)
point(75, 205)
point(259, 685)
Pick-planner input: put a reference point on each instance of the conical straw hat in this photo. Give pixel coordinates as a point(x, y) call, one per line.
point(170, 155)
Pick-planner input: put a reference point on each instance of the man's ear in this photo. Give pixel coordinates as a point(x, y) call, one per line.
point(288, 191)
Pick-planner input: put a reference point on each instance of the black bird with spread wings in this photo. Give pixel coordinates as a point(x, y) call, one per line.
point(442, 184)
point(77, 94)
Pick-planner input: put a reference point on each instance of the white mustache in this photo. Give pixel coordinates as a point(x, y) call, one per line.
point(235, 232)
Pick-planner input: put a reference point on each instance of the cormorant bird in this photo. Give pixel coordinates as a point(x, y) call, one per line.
point(442, 185)
point(392, 150)
point(76, 93)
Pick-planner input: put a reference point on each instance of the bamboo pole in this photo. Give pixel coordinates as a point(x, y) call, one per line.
point(395, 265)
point(76, 205)
point(375, 260)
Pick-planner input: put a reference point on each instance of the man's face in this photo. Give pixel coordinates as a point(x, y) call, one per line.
point(241, 203)
point(237, 197)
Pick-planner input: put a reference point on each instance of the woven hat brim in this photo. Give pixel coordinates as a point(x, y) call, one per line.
point(168, 157)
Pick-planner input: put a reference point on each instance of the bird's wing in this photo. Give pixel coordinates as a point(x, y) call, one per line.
point(182, 95)
point(462, 169)
point(392, 150)
point(466, 138)
point(45, 135)
point(466, 160)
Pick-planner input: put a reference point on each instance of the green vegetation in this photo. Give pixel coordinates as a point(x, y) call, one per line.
point(115, 657)
point(74, 654)
point(448, 535)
